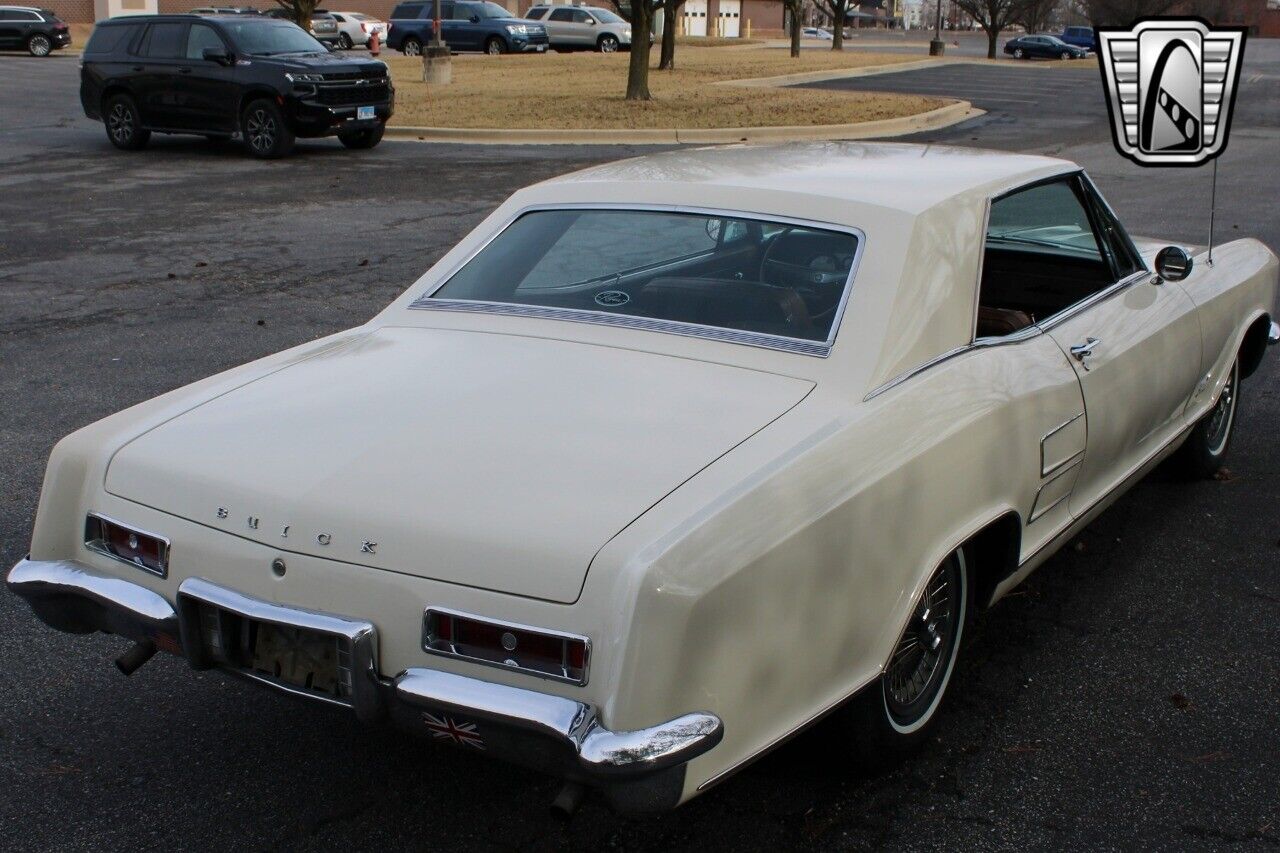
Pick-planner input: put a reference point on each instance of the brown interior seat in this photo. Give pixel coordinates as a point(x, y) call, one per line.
point(998, 322)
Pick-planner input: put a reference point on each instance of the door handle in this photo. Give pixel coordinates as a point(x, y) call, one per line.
point(1082, 351)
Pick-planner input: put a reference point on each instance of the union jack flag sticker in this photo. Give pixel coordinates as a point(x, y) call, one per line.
point(446, 728)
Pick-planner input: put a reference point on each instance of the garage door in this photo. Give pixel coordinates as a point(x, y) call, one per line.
point(695, 17)
point(731, 18)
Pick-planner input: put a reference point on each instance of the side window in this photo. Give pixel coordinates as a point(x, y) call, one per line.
point(581, 17)
point(201, 37)
point(1041, 255)
point(461, 11)
point(564, 15)
point(1115, 242)
point(164, 41)
point(6, 15)
point(535, 14)
point(105, 39)
point(405, 11)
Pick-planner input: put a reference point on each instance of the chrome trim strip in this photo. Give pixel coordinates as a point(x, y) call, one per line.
point(1045, 469)
point(132, 528)
point(427, 300)
point(427, 639)
point(599, 751)
point(1037, 512)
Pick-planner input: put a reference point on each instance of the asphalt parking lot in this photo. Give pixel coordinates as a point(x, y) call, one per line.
point(1127, 697)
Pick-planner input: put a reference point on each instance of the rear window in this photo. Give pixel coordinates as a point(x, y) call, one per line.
point(757, 276)
point(535, 14)
point(109, 39)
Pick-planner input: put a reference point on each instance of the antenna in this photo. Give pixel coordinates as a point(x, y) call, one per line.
point(1213, 207)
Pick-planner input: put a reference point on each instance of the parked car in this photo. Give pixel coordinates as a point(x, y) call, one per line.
point(356, 28)
point(816, 33)
point(583, 27)
point(465, 26)
point(37, 31)
point(1045, 47)
point(248, 77)
point(720, 450)
point(323, 25)
point(225, 10)
point(1082, 37)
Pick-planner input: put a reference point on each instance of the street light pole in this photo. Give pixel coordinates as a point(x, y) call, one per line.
point(936, 47)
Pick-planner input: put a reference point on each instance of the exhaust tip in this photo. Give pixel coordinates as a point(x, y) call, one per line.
point(132, 660)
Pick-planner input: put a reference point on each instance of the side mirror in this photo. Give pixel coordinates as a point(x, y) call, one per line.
point(216, 54)
point(590, 22)
point(1173, 264)
point(475, 19)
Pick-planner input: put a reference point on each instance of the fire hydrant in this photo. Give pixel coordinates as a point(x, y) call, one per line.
point(374, 47)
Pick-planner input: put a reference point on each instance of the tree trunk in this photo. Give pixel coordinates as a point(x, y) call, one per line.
point(795, 30)
point(992, 35)
point(837, 31)
point(667, 61)
point(638, 68)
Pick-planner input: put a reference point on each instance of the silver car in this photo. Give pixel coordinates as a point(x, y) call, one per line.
point(586, 27)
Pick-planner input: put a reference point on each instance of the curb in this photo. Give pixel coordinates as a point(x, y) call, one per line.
point(944, 116)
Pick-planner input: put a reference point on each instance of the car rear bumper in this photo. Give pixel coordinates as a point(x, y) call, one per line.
point(640, 770)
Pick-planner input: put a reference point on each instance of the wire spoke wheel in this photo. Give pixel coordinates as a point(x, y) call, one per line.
point(921, 662)
point(1218, 429)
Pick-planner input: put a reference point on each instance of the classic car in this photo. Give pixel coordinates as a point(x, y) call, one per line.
point(667, 459)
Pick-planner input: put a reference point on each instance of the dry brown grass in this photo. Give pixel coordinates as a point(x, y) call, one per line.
point(585, 90)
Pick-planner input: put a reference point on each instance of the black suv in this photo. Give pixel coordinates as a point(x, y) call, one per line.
point(246, 77)
point(30, 28)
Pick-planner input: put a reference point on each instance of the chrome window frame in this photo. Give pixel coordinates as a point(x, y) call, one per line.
point(800, 346)
point(1047, 323)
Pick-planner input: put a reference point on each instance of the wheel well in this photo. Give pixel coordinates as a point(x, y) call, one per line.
point(109, 93)
point(1254, 346)
point(994, 550)
point(250, 97)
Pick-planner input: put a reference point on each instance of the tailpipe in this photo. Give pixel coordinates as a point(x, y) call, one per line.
point(132, 660)
point(568, 800)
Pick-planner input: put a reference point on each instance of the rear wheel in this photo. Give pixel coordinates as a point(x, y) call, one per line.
point(607, 44)
point(1205, 451)
point(345, 42)
point(893, 717)
point(39, 45)
point(1065, 55)
point(1019, 53)
point(495, 46)
point(265, 130)
point(362, 139)
point(124, 127)
point(411, 47)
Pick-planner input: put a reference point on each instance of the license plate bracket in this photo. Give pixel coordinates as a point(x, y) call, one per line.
point(295, 656)
point(365, 113)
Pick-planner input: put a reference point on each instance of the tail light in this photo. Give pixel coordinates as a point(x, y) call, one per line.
point(364, 27)
point(146, 551)
point(564, 657)
point(59, 26)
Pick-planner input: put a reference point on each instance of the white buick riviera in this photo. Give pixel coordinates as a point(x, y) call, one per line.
point(667, 459)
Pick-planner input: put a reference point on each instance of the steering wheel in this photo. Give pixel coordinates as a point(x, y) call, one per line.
point(810, 275)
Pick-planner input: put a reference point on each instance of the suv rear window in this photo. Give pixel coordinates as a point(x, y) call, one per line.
point(109, 39)
point(408, 11)
point(757, 276)
point(535, 14)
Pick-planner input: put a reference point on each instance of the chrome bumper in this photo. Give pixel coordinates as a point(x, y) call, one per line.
point(640, 770)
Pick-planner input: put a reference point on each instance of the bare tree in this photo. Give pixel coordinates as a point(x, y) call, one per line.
point(993, 16)
point(670, 13)
point(839, 12)
point(795, 8)
point(300, 11)
point(1036, 15)
point(639, 14)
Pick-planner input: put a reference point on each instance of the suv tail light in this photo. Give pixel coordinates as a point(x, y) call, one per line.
point(564, 657)
point(146, 551)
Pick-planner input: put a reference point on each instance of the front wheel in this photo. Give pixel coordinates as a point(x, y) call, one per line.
point(39, 45)
point(1065, 55)
point(124, 127)
point(362, 139)
point(893, 717)
point(345, 42)
point(1205, 451)
point(411, 47)
point(265, 130)
point(495, 46)
point(608, 44)
point(1019, 53)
